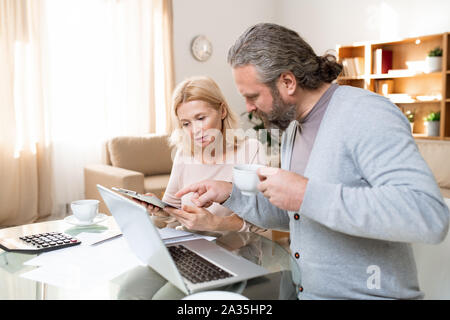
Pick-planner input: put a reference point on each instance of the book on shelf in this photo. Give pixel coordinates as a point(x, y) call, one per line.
point(401, 72)
point(408, 98)
point(382, 61)
point(400, 98)
point(353, 67)
point(384, 87)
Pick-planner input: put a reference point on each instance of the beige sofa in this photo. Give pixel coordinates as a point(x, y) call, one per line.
point(437, 155)
point(141, 163)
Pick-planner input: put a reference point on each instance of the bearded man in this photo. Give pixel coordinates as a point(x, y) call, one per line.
point(353, 190)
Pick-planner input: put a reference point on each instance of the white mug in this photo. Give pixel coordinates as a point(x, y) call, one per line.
point(85, 210)
point(246, 179)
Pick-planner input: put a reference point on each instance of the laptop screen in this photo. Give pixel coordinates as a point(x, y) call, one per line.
point(142, 236)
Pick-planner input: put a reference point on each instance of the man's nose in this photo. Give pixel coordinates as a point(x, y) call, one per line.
point(250, 107)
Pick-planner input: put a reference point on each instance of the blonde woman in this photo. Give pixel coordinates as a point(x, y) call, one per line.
point(206, 148)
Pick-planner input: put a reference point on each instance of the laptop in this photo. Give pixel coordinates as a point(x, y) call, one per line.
point(192, 266)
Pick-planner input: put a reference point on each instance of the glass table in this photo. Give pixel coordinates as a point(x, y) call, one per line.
point(141, 282)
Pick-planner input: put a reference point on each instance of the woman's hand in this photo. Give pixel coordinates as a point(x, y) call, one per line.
point(151, 209)
point(200, 219)
point(195, 218)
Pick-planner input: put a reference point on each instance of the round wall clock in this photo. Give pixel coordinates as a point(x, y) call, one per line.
point(201, 48)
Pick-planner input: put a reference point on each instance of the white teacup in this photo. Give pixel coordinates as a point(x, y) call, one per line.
point(246, 178)
point(85, 210)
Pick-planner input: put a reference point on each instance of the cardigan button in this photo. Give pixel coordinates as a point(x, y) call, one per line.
point(296, 216)
point(297, 255)
point(300, 289)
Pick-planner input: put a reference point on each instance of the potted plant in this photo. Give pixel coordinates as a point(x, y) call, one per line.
point(433, 60)
point(272, 139)
point(258, 124)
point(411, 117)
point(432, 124)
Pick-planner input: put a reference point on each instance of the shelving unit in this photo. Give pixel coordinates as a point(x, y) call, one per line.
point(404, 81)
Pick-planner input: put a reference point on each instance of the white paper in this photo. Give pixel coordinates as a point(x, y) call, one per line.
point(83, 266)
point(171, 235)
point(87, 265)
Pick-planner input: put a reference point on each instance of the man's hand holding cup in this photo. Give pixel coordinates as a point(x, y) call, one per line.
point(284, 189)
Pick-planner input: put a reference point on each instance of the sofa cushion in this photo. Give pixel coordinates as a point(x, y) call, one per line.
point(437, 156)
point(445, 193)
point(149, 154)
point(156, 184)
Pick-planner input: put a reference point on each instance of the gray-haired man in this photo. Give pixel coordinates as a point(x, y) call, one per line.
point(353, 190)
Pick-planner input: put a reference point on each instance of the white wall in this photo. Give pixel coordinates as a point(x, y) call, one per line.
point(222, 21)
point(325, 23)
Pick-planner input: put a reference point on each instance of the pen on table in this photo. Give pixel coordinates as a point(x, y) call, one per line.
point(107, 239)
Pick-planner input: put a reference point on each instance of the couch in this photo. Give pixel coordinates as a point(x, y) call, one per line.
point(139, 163)
point(437, 156)
point(433, 261)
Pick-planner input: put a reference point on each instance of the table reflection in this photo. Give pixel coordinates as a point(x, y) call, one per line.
point(144, 283)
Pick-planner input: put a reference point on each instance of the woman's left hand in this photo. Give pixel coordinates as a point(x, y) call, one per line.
point(195, 218)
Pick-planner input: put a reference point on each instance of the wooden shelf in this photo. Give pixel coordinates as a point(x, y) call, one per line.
point(409, 75)
point(390, 76)
point(352, 78)
point(419, 102)
point(434, 84)
point(423, 136)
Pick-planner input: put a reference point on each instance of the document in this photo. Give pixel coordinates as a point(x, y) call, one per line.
point(99, 258)
point(171, 235)
point(83, 266)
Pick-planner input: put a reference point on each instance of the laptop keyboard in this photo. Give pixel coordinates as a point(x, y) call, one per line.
point(195, 268)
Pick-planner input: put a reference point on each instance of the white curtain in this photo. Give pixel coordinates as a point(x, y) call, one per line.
point(103, 75)
point(25, 173)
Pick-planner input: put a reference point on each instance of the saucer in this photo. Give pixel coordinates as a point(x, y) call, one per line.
point(73, 220)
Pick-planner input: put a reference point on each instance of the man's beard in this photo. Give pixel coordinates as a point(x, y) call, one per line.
point(281, 115)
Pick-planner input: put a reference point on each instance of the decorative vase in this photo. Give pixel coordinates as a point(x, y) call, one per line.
point(433, 64)
point(432, 128)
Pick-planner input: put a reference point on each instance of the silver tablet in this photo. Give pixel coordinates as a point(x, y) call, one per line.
point(153, 200)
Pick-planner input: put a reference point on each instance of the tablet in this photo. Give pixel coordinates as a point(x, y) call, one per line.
point(153, 200)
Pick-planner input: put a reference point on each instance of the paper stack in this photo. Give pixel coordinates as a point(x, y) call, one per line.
point(83, 266)
point(90, 264)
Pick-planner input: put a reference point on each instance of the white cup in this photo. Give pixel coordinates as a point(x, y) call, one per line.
point(246, 178)
point(85, 210)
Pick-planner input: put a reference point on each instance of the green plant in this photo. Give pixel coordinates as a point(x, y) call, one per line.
point(436, 52)
point(410, 115)
point(433, 116)
point(258, 124)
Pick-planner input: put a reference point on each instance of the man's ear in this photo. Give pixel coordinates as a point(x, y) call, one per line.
point(287, 83)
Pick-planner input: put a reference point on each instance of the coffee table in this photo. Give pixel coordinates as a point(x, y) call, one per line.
point(141, 282)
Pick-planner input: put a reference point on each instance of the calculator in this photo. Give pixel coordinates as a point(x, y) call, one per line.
point(37, 243)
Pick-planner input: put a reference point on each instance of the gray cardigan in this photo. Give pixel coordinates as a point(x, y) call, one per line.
point(369, 195)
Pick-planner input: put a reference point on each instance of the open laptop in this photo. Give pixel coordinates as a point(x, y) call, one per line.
point(192, 265)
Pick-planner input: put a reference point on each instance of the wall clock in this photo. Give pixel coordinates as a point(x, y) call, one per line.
point(201, 48)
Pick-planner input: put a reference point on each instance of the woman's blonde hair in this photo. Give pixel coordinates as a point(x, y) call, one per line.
point(198, 88)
